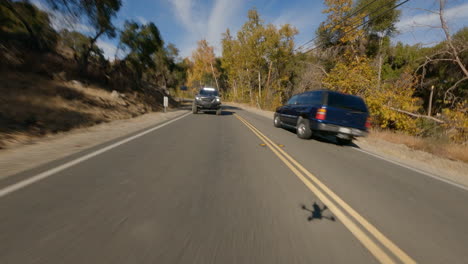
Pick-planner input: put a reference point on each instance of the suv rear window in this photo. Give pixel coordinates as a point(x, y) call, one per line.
point(346, 101)
point(310, 98)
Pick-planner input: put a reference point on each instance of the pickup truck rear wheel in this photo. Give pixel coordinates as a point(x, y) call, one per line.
point(303, 129)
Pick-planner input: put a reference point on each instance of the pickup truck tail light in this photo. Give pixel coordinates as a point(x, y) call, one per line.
point(321, 114)
point(368, 123)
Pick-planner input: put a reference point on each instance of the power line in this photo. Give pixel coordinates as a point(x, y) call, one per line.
point(368, 21)
point(341, 22)
point(364, 23)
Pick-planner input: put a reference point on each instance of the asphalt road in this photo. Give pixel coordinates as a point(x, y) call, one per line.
point(214, 189)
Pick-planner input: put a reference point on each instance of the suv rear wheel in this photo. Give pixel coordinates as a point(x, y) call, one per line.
point(303, 129)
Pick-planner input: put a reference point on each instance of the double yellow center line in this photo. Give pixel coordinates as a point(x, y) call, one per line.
point(365, 232)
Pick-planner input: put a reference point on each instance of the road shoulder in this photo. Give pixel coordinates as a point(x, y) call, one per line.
point(451, 170)
point(53, 147)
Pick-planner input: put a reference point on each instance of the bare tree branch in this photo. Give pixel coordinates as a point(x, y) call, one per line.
point(449, 90)
point(317, 66)
point(416, 115)
point(449, 37)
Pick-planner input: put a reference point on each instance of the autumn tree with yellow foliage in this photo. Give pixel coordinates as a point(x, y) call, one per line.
point(203, 71)
point(257, 62)
point(352, 53)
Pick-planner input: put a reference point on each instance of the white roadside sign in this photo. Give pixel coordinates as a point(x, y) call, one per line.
point(166, 103)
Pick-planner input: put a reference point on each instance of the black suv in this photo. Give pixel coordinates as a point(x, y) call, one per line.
point(207, 99)
point(342, 115)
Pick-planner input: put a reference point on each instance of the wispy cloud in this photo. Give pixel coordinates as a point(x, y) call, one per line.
point(222, 14)
point(301, 19)
point(183, 10)
point(432, 19)
point(207, 23)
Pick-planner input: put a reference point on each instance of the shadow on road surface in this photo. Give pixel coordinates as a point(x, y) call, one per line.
point(324, 138)
point(228, 107)
point(185, 106)
point(317, 212)
point(223, 113)
point(226, 110)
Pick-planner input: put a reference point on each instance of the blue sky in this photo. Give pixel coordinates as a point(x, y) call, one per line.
point(184, 22)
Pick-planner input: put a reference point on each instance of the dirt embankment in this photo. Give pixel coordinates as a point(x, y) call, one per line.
point(32, 106)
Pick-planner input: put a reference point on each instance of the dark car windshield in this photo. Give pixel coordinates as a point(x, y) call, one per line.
point(208, 92)
point(347, 102)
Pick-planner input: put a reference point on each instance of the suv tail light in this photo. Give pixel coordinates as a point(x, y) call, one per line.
point(321, 114)
point(368, 123)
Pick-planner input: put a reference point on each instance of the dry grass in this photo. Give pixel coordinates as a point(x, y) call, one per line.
point(437, 147)
point(32, 106)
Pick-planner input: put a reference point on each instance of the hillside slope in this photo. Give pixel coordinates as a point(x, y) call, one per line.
point(33, 105)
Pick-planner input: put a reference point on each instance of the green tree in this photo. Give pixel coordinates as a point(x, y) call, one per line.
point(141, 42)
point(97, 13)
point(380, 27)
point(79, 44)
point(24, 21)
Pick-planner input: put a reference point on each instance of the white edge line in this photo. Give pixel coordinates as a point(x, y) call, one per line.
point(414, 169)
point(24, 183)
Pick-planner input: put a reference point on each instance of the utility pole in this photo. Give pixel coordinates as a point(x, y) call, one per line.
point(429, 108)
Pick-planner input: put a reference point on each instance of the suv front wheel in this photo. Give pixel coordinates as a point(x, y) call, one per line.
point(277, 121)
point(194, 108)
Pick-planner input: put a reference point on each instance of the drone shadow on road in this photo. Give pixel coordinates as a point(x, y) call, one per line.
point(317, 212)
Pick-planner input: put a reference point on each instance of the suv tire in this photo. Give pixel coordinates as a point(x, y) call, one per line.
point(303, 129)
point(277, 121)
point(218, 112)
point(194, 108)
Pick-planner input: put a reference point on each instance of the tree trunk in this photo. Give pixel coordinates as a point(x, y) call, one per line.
point(84, 61)
point(241, 87)
point(259, 86)
point(250, 87)
point(379, 74)
point(214, 76)
point(235, 89)
point(267, 85)
point(429, 108)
